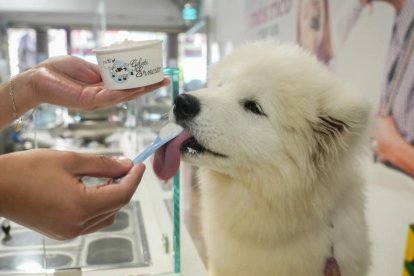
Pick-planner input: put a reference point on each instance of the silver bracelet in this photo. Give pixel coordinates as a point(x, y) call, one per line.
point(18, 121)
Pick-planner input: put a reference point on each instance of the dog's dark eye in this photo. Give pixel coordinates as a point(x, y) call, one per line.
point(254, 107)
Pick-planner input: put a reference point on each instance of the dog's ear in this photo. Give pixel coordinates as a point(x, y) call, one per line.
point(328, 132)
point(341, 122)
point(328, 125)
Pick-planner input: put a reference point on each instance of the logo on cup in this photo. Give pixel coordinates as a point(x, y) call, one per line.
point(118, 70)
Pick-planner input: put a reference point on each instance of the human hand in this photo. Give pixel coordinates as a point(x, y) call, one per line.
point(72, 82)
point(42, 190)
point(386, 138)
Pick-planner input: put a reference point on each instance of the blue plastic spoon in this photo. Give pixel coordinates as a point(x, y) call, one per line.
point(167, 133)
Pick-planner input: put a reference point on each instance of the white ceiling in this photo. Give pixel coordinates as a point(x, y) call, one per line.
point(161, 15)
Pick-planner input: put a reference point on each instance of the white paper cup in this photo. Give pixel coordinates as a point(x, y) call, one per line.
point(131, 64)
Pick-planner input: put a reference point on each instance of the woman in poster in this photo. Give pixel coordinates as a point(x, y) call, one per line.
point(393, 136)
point(313, 28)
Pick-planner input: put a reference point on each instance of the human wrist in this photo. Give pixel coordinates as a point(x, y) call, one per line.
point(23, 92)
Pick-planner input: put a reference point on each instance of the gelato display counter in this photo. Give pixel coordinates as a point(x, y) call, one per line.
point(146, 236)
point(123, 244)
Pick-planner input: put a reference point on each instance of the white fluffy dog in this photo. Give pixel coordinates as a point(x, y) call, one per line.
point(275, 136)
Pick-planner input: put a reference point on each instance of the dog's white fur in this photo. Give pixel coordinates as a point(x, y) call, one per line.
point(289, 190)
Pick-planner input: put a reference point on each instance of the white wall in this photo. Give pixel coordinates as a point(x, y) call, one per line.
point(226, 23)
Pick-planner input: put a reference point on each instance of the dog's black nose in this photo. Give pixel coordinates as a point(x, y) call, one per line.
point(186, 107)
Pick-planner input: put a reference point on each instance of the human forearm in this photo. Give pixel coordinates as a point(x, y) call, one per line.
point(4, 182)
point(11, 181)
point(403, 157)
point(391, 146)
point(23, 97)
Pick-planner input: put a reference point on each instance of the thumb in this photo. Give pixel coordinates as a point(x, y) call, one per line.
point(118, 194)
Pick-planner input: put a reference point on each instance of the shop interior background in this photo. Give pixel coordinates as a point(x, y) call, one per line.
point(192, 44)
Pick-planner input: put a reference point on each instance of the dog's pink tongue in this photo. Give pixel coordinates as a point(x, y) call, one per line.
point(167, 158)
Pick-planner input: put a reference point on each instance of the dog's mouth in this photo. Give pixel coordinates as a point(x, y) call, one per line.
point(167, 159)
point(192, 147)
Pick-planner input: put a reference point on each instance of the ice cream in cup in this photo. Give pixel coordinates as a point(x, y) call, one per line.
point(130, 64)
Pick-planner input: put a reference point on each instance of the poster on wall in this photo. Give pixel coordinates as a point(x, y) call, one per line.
point(326, 27)
point(273, 19)
point(369, 42)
